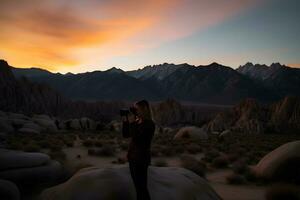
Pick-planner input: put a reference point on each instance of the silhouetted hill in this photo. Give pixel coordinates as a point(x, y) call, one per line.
point(24, 96)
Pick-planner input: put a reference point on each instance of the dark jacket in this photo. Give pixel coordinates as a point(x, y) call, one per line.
point(140, 140)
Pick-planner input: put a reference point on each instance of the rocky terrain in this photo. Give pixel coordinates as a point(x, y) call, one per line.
point(250, 116)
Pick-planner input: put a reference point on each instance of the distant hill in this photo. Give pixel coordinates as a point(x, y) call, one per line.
point(213, 84)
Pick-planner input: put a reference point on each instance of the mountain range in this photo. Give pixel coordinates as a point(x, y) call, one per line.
point(214, 83)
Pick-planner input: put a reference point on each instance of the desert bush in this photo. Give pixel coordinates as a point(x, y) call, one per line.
point(105, 150)
point(220, 161)
point(31, 147)
point(167, 150)
point(44, 143)
point(91, 152)
point(235, 179)
point(240, 167)
point(120, 160)
point(160, 163)
point(178, 149)
point(210, 155)
point(232, 157)
point(15, 145)
point(88, 143)
point(282, 191)
point(98, 143)
point(55, 147)
point(194, 165)
point(124, 145)
point(194, 148)
point(155, 151)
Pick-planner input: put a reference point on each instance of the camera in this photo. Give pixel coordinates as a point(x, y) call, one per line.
point(125, 111)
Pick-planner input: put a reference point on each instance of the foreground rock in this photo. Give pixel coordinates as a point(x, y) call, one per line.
point(116, 183)
point(8, 190)
point(28, 169)
point(282, 164)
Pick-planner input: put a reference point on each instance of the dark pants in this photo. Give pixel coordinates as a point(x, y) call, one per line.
point(139, 176)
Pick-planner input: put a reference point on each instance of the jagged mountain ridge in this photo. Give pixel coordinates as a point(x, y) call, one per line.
point(212, 83)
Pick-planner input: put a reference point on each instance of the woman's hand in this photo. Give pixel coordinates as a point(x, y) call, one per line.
point(131, 117)
point(124, 119)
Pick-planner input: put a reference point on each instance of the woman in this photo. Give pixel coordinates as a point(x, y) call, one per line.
point(140, 128)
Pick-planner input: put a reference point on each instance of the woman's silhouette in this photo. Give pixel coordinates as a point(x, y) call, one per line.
point(140, 128)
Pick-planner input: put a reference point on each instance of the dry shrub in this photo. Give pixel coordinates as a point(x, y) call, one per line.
point(220, 161)
point(105, 150)
point(193, 148)
point(88, 143)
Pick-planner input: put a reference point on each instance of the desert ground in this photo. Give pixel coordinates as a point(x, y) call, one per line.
point(225, 162)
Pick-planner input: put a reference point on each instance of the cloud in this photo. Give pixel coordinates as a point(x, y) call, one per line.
point(58, 34)
point(296, 65)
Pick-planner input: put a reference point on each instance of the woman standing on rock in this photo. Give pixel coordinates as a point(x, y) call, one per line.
point(140, 127)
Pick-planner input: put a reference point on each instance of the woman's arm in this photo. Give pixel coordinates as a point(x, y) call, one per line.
point(147, 132)
point(129, 127)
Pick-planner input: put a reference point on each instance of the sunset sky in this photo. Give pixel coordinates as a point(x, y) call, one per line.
point(87, 35)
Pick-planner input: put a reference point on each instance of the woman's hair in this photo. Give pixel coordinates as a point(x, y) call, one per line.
point(146, 109)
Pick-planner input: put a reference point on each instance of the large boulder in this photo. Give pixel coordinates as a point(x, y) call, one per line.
point(5, 125)
point(192, 132)
point(10, 159)
point(8, 190)
point(87, 123)
point(48, 173)
point(114, 125)
point(30, 127)
point(25, 169)
point(282, 164)
point(116, 183)
point(47, 125)
point(17, 116)
point(3, 114)
point(45, 117)
point(73, 124)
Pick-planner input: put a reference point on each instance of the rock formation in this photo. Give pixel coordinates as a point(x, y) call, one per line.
point(252, 117)
point(116, 183)
point(282, 164)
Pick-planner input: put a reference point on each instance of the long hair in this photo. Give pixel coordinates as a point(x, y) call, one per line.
point(146, 109)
